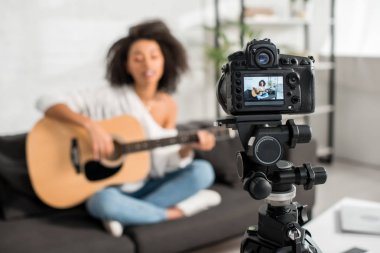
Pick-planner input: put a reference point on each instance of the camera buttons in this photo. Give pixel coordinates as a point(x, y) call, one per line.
point(295, 99)
point(293, 79)
point(237, 74)
point(238, 90)
point(238, 81)
point(239, 98)
point(294, 61)
point(287, 61)
point(284, 61)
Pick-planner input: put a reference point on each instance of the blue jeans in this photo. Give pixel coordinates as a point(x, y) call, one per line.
point(149, 204)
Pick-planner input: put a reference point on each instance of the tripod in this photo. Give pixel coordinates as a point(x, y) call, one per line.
point(266, 176)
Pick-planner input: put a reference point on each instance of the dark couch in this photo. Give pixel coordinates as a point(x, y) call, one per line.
point(27, 225)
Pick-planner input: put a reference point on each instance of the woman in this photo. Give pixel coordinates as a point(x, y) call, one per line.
point(259, 92)
point(143, 69)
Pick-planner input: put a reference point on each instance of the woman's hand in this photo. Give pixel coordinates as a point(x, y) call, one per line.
point(206, 141)
point(102, 142)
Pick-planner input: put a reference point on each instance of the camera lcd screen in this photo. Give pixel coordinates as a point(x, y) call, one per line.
point(263, 90)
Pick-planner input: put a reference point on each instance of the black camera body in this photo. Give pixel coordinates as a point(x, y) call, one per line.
point(260, 80)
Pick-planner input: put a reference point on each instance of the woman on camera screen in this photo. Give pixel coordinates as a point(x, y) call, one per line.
point(259, 91)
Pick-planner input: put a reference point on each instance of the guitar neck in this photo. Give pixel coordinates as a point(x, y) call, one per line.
point(182, 138)
point(151, 144)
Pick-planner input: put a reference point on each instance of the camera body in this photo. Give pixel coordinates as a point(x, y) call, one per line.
point(260, 80)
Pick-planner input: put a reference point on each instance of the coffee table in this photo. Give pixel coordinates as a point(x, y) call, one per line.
point(326, 232)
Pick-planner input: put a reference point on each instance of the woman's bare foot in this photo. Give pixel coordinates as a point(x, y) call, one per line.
point(174, 213)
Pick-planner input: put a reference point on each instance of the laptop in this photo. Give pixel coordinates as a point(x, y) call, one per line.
point(359, 219)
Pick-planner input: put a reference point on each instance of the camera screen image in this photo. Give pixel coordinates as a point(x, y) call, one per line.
point(263, 90)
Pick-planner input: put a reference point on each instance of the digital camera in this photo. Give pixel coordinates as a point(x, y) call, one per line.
point(260, 80)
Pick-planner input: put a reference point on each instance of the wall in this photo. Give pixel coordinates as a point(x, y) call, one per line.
point(357, 134)
point(59, 45)
point(357, 78)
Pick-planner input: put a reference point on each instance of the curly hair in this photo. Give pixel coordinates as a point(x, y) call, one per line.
point(173, 51)
point(262, 81)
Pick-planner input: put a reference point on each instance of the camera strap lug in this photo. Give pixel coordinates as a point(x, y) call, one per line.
point(295, 235)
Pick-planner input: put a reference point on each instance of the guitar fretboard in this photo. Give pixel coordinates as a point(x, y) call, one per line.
point(182, 138)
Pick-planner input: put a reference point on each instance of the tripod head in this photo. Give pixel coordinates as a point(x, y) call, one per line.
point(260, 166)
point(266, 176)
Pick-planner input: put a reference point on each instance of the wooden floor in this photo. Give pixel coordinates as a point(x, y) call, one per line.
point(345, 179)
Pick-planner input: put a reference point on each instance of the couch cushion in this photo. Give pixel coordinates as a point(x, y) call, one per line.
point(13, 162)
point(231, 218)
point(17, 198)
point(222, 157)
point(67, 231)
point(228, 219)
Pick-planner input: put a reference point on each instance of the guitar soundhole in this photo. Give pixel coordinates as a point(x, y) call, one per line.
point(94, 170)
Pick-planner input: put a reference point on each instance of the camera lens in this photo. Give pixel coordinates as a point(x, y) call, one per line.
point(263, 58)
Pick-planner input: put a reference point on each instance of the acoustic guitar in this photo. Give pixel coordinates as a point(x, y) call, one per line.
point(61, 165)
